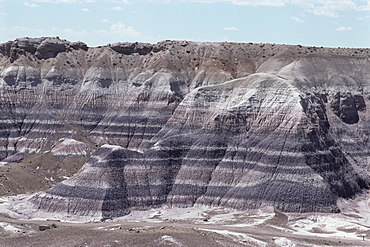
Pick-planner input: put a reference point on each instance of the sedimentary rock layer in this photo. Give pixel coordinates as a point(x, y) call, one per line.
point(182, 124)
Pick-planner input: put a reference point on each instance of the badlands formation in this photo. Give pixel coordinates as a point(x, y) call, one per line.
point(183, 124)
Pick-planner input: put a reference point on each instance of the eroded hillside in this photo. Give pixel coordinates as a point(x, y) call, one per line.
point(181, 124)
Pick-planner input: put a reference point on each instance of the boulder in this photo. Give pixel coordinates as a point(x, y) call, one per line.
point(49, 48)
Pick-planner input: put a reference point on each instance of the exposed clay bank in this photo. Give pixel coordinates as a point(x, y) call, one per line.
point(184, 124)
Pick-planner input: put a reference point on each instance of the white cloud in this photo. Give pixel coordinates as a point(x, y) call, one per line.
point(117, 8)
point(104, 20)
point(2, 13)
point(274, 3)
point(85, 10)
point(121, 1)
point(160, 1)
point(329, 8)
point(363, 17)
point(200, 1)
point(294, 18)
point(230, 29)
point(119, 30)
point(31, 5)
point(343, 29)
point(64, 1)
point(324, 12)
point(68, 33)
point(51, 1)
point(116, 32)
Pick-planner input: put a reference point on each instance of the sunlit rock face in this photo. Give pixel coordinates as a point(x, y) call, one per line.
point(186, 124)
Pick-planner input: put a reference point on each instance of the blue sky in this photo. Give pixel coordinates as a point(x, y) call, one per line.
point(331, 23)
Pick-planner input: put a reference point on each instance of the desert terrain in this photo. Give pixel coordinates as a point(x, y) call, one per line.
point(191, 227)
point(183, 144)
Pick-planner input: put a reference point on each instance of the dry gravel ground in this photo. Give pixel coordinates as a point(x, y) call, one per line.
point(24, 233)
point(191, 227)
point(37, 172)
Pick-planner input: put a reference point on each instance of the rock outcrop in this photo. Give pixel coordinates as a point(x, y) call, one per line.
point(181, 123)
